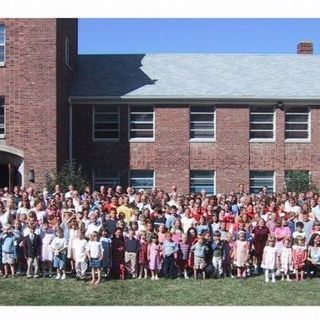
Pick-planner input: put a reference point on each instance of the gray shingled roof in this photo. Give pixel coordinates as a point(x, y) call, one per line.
point(235, 76)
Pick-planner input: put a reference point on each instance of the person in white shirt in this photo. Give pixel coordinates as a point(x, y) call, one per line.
point(59, 247)
point(80, 246)
point(187, 221)
point(95, 255)
point(93, 226)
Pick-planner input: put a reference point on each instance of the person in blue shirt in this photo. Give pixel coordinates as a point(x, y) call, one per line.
point(170, 249)
point(199, 249)
point(7, 241)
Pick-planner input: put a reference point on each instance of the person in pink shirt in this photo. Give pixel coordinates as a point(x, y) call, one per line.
point(281, 232)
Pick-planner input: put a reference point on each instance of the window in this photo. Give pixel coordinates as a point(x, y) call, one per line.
point(103, 177)
point(262, 123)
point(106, 122)
point(141, 122)
point(67, 53)
point(142, 179)
point(2, 123)
point(202, 180)
point(202, 120)
point(297, 125)
point(2, 44)
point(259, 179)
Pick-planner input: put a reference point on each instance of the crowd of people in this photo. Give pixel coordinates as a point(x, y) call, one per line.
point(149, 234)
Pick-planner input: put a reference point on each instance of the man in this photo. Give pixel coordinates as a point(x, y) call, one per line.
point(126, 209)
point(32, 251)
point(316, 211)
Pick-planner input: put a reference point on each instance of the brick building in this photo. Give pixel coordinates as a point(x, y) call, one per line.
point(200, 121)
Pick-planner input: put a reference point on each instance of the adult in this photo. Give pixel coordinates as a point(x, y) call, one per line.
point(313, 260)
point(260, 237)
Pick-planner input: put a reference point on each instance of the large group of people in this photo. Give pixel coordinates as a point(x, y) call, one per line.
point(111, 233)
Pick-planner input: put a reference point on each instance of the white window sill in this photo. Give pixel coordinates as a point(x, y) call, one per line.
point(141, 140)
point(297, 141)
point(202, 140)
point(262, 140)
point(2, 64)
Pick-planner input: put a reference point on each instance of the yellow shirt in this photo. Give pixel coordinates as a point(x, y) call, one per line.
point(127, 211)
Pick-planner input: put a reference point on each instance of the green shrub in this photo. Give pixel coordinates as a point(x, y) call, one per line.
point(70, 173)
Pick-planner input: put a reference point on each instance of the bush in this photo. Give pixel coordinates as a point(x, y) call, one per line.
point(299, 181)
point(70, 173)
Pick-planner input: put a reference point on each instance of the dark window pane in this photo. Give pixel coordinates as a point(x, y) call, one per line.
point(261, 118)
point(202, 109)
point(201, 134)
point(106, 108)
point(201, 117)
point(106, 134)
point(297, 118)
point(142, 126)
point(296, 126)
point(260, 126)
point(141, 134)
point(261, 135)
point(106, 126)
point(141, 117)
point(296, 135)
point(106, 117)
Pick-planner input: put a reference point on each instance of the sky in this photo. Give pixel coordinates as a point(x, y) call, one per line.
point(278, 36)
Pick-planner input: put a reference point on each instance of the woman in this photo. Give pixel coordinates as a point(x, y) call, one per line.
point(260, 237)
point(117, 250)
point(313, 259)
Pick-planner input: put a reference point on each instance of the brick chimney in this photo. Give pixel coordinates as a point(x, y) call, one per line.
point(305, 47)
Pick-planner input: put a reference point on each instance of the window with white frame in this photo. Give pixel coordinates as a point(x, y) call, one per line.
point(106, 122)
point(262, 123)
point(202, 180)
point(202, 120)
point(260, 179)
point(2, 43)
point(297, 123)
point(142, 179)
point(104, 177)
point(2, 120)
point(141, 122)
point(67, 52)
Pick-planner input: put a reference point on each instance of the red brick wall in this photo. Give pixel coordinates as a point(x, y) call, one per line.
point(32, 87)
point(28, 82)
point(172, 147)
point(232, 147)
point(171, 155)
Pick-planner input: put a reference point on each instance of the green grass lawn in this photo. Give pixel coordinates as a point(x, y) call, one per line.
point(211, 292)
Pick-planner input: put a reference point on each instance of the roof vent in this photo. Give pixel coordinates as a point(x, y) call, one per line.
point(305, 47)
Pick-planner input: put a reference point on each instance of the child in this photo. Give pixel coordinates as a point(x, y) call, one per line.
point(79, 249)
point(32, 248)
point(269, 259)
point(18, 243)
point(299, 257)
point(73, 234)
point(106, 246)
point(95, 254)
point(7, 240)
point(170, 249)
point(183, 255)
point(286, 259)
point(59, 246)
point(199, 250)
point(217, 254)
point(47, 236)
point(118, 249)
point(131, 250)
point(143, 255)
point(241, 254)
point(299, 231)
point(154, 257)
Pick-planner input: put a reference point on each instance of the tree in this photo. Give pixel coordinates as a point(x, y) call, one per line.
point(70, 173)
point(299, 181)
